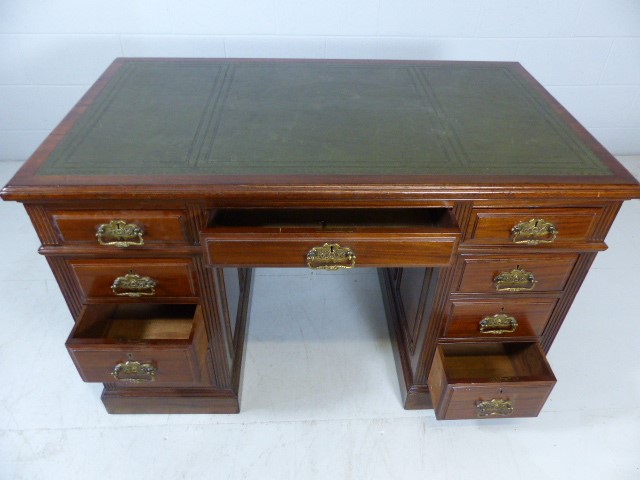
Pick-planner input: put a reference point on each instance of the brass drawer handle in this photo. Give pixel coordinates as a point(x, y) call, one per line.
point(534, 231)
point(517, 280)
point(134, 285)
point(331, 256)
point(495, 407)
point(498, 324)
point(120, 234)
point(134, 372)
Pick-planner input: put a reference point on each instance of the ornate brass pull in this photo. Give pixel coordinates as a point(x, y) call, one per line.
point(517, 280)
point(495, 407)
point(498, 324)
point(134, 372)
point(534, 231)
point(134, 285)
point(119, 233)
point(331, 256)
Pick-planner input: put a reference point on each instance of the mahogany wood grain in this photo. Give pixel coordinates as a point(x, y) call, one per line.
point(532, 315)
point(374, 249)
point(41, 221)
point(463, 375)
point(317, 188)
point(213, 400)
point(106, 336)
point(550, 271)
point(158, 226)
point(174, 277)
point(414, 394)
point(415, 288)
point(493, 226)
point(68, 285)
point(231, 294)
point(378, 237)
point(83, 250)
point(161, 400)
point(178, 211)
point(564, 304)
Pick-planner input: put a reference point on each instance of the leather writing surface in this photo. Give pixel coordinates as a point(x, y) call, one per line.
point(245, 118)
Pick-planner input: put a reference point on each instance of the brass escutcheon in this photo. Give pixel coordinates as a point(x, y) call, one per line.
point(498, 324)
point(134, 372)
point(134, 285)
point(495, 407)
point(119, 233)
point(517, 280)
point(534, 231)
point(331, 256)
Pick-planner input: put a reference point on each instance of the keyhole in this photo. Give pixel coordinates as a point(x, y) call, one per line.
point(130, 356)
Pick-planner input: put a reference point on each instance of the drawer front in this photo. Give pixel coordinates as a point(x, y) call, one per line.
point(134, 279)
point(498, 318)
point(115, 229)
point(532, 226)
point(328, 250)
point(171, 364)
point(489, 380)
point(539, 273)
point(496, 401)
point(138, 362)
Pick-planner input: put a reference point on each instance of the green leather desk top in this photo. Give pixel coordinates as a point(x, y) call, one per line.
point(163, 117)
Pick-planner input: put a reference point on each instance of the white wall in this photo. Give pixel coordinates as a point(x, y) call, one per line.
point(586, 52)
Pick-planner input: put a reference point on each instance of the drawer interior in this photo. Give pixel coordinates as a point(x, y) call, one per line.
point(340, 219)
point(494, 361)
point(126, 323)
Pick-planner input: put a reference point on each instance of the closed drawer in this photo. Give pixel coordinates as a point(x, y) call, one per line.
point(140, 345)
point(489, 380)
point(513, 317)
point(540, 273)
point(135, 279)
point(531, 226)
point(331, 239)
point(115, 229)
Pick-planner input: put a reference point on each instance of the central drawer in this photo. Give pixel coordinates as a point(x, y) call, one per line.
point(331, 239)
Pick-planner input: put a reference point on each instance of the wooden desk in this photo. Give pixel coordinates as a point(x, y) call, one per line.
point(479, 198)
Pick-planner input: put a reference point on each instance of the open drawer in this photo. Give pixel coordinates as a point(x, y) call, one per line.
point(489, 380)
point(140, 344)
point(331, 238)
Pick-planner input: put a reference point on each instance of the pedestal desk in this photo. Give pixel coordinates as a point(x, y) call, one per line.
point(480, 200)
